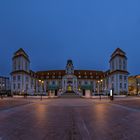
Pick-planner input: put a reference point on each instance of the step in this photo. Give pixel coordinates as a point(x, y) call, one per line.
point(69, 95)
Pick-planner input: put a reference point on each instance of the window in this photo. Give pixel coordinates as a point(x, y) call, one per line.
point(112, 86)
point(53, 77)
point(14, 65)
point(14, 78)
point(120, 77)
point(18, 86)
point(112, 78)
point(125, 78)
point(18, 64)
point(124, 65)
point(26, 86)
point(86, 82)
point(18, 77)
point(26, 66)
point(113, 67)
point(27, 79)
point(14, 86)
point(125, 85)
point(53, 82)
point(120, 85)
point(86, 77)
point(120, 64)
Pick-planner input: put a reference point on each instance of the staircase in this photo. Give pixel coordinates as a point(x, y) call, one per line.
point(70, 95)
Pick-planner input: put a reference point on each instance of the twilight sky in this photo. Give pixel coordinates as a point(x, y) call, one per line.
point(86, 31)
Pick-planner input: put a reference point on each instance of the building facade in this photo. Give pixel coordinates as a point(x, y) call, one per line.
point(4, 84)
point(58, 82)
point(134, 85)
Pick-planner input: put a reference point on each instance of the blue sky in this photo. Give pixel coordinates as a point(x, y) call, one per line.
point(86, 31)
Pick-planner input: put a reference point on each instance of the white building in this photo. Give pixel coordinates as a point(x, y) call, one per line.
point(4, 84)
point(24, 80)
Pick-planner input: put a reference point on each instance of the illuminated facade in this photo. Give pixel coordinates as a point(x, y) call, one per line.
point(58, 82)
point(134, 85)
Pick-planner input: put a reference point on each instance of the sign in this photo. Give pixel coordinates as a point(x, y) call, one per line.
point(111, 93)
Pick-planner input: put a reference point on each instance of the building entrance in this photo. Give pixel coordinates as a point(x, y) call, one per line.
point(69, 88)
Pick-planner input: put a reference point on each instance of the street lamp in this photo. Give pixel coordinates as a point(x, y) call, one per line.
point(41, 88)
point(98, 87)
point(99, 82)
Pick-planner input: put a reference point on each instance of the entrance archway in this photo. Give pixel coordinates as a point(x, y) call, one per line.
point(69, 88)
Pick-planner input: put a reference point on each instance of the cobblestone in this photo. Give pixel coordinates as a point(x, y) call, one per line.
point(70, 119)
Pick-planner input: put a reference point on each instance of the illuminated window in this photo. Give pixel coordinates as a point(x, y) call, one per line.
point(79, 76)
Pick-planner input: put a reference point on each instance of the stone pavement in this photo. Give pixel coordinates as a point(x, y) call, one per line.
point(71, 119)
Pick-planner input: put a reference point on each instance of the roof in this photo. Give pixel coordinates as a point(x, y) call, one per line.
point(21, 52)
point(118, 52)
point(91, 74)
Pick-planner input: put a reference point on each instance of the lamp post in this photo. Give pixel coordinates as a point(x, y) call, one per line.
point(98, 88)
point(99, 82)
point(41, 88)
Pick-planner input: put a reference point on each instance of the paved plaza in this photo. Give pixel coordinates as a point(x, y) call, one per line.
point(69, 119)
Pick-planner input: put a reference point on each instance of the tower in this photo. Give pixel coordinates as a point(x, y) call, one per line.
point(20, 76)
point(69, 67)
point(118, 72)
